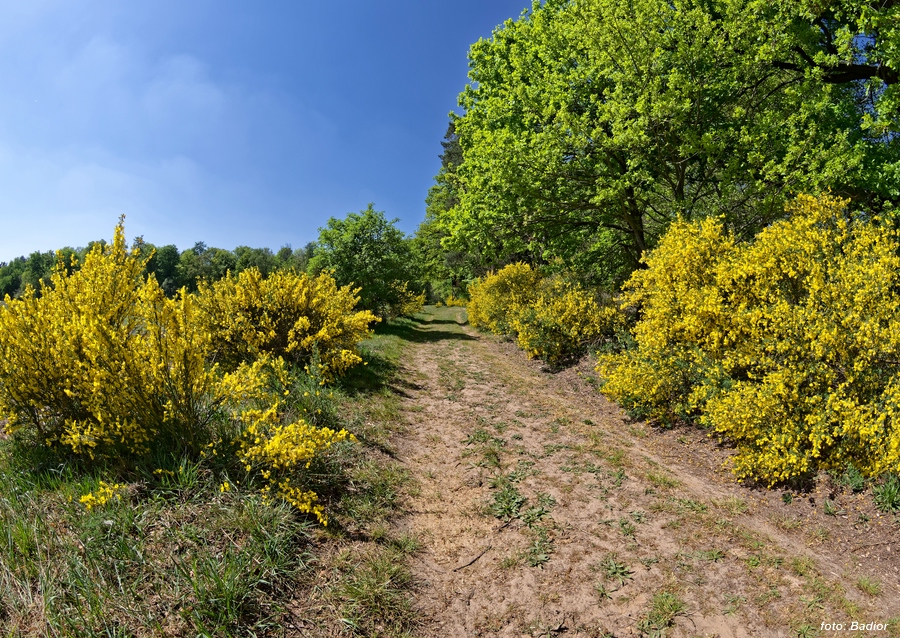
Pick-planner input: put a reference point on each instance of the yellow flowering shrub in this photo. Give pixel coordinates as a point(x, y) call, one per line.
point(408, 302)
point(103, 363)
point(101, 496)
point(681, 317)
point(562, 320)
point(279, 453)
point(454, 301)
point(496, 298)
point(552, 318)
point(287, 315)
point(789, 345)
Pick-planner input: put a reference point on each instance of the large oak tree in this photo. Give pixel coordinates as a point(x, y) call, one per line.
point(589, 125)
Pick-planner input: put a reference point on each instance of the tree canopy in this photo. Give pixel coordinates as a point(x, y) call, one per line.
point(368, 251)
point(448, 271)
point(172, 269)
point(590, 125)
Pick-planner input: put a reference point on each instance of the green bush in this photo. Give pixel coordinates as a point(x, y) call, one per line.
point(370, 253)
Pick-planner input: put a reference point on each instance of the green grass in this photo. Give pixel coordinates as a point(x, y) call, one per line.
point(733, 505)
point(869, 586)
point(887, 495)
point(478, 436)
point(627, 528)
point(613, 570)
point(602, 592)
point(662, 480)
point(374, 491)
point(541, 547)
point(176, 553)
point(374, 593)
point(506, 502)
point(664, 608)
point(532, 516)
point(207, 562)
point(712, 555)
point(853, 479)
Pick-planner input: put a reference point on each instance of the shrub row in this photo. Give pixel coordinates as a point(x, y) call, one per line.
point(552, 318)
point(103, 366)
point(788, 344)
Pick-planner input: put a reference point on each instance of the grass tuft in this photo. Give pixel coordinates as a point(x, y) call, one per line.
point(869, 586)
point(612, 569)
point(664, 608)
point(887, 495)
point(374, 594)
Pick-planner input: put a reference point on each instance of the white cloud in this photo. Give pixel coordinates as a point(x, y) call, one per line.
point(98, 66)
point(182, 87)
point(95, 123)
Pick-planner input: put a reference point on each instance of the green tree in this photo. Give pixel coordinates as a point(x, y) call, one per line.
point(164, 265)
point(285, 256)
point(202, 262)
point(844, 42)
point(38, 267)
point(35, 270)
point(366, 250)
point(11, 277)
point(447, 270)
point(590, 125)
point(261, 258)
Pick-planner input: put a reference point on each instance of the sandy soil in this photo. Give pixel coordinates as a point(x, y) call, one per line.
point(624, 529)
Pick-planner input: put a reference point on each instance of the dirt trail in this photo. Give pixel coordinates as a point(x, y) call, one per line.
point(543, 511)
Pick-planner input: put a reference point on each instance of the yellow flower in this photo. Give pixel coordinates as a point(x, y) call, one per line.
point(785, 344)
point(102, 496)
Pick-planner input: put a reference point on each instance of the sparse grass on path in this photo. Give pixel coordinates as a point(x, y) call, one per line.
point(542, 511)
point(486, 498)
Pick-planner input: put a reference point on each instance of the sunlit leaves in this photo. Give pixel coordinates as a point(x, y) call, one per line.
point(590, 125)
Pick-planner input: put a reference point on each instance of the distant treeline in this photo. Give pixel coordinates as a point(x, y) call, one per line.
point(174, 269)
point(364, 250)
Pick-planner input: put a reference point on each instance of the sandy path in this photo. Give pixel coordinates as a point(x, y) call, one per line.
point(614, 537)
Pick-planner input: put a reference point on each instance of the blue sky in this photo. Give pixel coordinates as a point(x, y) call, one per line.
point(232, 123)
